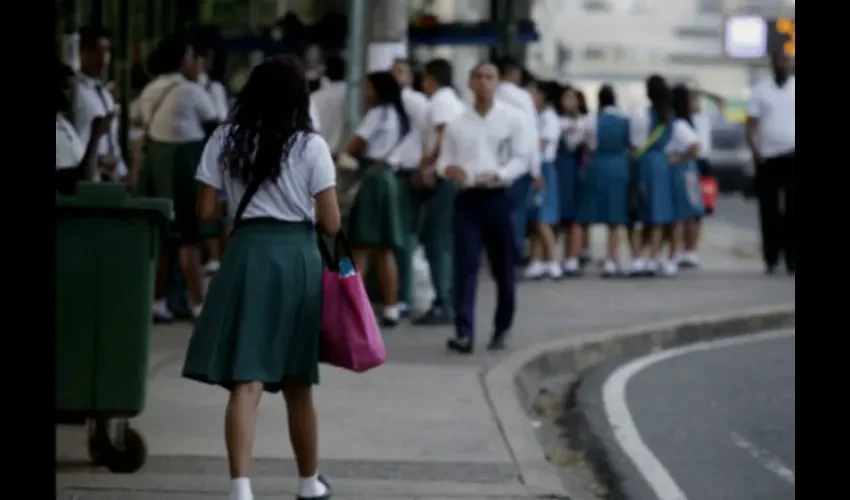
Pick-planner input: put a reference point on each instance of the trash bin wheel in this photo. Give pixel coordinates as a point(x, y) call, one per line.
point(129, 456)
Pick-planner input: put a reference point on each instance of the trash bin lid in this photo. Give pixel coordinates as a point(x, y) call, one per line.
point(107, 195)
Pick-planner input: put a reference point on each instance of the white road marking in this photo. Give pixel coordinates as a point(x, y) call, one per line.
point(623, 425)
point(765, 458)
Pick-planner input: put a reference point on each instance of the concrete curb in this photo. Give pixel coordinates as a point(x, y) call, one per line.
point(512, 385)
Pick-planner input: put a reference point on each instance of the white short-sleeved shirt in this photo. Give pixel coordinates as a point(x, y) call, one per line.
point(549, 130)
point(308, 171)
point(217, 93)
point(329, 105)
point(408, 154)
point(591, 121)
point(521, 99)
point(69, 147)
point(574, 130)
point(702, 125)
point(489, 144)
point(180, 113)
point(443, 107)
point(682, 138)
point(775, 109)
point(91, 99)
point(381, 130)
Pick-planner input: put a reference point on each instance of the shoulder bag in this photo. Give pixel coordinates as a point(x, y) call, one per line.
point(637, 193)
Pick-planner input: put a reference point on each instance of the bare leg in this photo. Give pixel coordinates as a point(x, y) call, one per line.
point(388, 276)
point(303, 426)
point(635, 237)
point(190, 264)
point(656, 240)
point(578, 235)
point(675, 240)
point(693, 230)
point(547, 242)
point(566, 229)
point(239, 425)
point(361, 260)
point(613, 248)
point(161, 280)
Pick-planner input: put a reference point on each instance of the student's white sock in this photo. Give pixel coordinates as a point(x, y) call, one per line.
point(196, 310)
point(392, 313)
point(571, 264)
point(403, 307)
point(160, 307)
point(311, 487)
point(240, 489)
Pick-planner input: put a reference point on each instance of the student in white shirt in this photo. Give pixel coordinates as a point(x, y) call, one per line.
point(443, 107)
point(771, 129)
point(262, 327)
point(484, 151)
point(177, 114)
point(513, 94)
point(374, 224)
point(91, 98)
point(75, 159)
point(328, 104)
point(405, 160)
point(568, 160)
point(663, 143)
point(605, 184)
point(545, 209)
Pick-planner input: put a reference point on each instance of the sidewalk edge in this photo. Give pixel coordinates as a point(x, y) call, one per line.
point(512, 385)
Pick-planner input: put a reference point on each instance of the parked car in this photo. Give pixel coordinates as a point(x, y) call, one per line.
point(730, 157)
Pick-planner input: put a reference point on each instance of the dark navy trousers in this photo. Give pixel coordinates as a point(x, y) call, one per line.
point(483, 221)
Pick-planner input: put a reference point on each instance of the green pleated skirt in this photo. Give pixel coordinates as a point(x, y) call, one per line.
point(375, 220)
point(263, 312)
point(168, 171)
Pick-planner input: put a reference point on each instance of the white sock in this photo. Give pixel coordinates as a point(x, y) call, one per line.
point(571, 264)
point(403, 307)
point(311, 487)
point(240, 489)
point(161, 307)
point(392, 313)
point(196, 310)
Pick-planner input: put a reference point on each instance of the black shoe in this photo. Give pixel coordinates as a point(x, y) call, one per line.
point(388, 323)
point(460, 345)
point(158, 319)
point(435, 316)
point(770, 269)
point(584, 260)
point(684, 264)
point(497, 342)
point(326, 496)
point(572, 273)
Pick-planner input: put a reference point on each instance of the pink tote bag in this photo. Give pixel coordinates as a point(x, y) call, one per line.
point(350, 336)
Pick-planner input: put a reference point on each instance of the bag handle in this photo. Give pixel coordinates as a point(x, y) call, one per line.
point(341, 249)
point(652, 139)
point(158, 104)
point(250, 190)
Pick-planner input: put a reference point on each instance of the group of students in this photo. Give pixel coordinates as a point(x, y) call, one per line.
point(636, 174)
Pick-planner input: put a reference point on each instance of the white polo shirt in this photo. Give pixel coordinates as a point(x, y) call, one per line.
point(217, 93)
point(308, 171)
point(91, 99)
point(774, 107)
point(443, 108)
point(69, 148)
point(381, 130)
point(409, 152)
point(175, 109)
point(519, 98)
point(549, 130)
point(574, 129)
point(329, 105)
point(491, 144)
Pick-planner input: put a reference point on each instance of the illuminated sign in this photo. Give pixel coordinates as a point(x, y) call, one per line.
point(754, 37)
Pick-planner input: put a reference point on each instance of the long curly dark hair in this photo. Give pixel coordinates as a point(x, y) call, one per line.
point(269, 114)
point(681, 101)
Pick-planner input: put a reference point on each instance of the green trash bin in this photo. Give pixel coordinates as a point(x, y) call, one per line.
point(107, 248)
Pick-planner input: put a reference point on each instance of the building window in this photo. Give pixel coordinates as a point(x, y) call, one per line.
point(710, 6)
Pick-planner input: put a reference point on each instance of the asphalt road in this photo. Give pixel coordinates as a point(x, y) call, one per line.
point(738, 211)
point(712, 421)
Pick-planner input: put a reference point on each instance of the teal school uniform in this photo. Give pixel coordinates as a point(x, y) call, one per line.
point(604, 190)
point(567, 170)
point(687, 192)
point(545, 207)
point(656, 178)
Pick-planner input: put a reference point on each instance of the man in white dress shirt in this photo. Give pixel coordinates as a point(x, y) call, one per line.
point(512, 93)
point(444, 107)
point(484, 151)
point(405, 160)
point(327, 105)
point(91, 99)
point(771, 129)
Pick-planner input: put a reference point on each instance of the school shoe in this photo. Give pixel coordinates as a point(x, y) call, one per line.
point(668, 268)
point(584, 259)
point(461, 345)
point(535, 270)
point(554, 271)
point(391, 316)
point(328, 494)
point(571, 268)
point(688, 260)
point(403, 310)
point(610, 269)
point(436, 316)
point(498, 342)
point(162, 315)
point(653, 268)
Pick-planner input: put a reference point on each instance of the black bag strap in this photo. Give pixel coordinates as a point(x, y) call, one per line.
point(341, 249)
point(250, 190)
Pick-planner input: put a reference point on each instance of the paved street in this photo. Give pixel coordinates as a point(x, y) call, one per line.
point(705, 422)
point(420, 427)
point(738, 211)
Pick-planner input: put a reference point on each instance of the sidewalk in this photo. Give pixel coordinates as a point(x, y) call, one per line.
point(420, 427)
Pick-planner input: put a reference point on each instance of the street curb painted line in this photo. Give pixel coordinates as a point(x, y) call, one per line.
point(512, 385)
